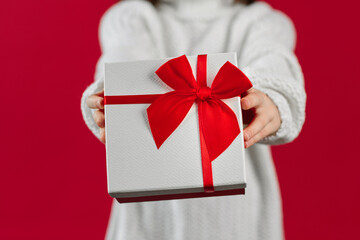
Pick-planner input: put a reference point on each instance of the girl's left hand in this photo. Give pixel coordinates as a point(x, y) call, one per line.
point(266, 119)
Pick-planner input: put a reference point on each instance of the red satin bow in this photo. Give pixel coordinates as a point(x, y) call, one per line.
point(218, 123)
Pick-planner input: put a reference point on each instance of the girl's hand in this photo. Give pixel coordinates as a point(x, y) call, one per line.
point(266, 117)
point(96, 101)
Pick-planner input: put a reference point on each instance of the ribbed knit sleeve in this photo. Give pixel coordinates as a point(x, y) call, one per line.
point(125, 34)
point(269, 61)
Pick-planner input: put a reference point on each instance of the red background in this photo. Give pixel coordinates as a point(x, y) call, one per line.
point(52, 174)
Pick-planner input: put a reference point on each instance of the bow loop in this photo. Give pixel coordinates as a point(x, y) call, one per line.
point(177, 73)
point(229, 82)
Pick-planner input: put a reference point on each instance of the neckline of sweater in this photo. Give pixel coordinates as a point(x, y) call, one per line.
point(197, 9)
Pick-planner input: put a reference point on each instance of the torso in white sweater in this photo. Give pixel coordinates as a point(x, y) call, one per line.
point(264, 40)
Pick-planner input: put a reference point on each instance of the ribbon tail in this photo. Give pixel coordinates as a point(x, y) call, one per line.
point(205, 158)
point(166, 113)
point(220, 126)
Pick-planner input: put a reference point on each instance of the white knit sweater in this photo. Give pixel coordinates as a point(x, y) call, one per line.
point(264, 40)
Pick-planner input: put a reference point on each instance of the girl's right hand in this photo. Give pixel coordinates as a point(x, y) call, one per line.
point(96, 101)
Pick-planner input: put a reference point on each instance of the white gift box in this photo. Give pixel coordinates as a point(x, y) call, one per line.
point(136, 169)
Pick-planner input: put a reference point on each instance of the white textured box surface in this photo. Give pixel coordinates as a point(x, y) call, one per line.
point(135, 167)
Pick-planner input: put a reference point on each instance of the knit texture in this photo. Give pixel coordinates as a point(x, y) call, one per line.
point(264, 40)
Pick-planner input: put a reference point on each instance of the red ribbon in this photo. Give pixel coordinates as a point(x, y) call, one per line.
point(218, 123)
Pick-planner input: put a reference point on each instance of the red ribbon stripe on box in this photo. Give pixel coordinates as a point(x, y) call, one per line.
point(218, 123)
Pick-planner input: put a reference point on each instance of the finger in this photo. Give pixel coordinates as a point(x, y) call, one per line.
point(255, 126)
point(251, 90)
point(99, 118)
point(102, 135)
point(266, 131)
point(100, 94)
point(95, 102)
point(253, 99)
